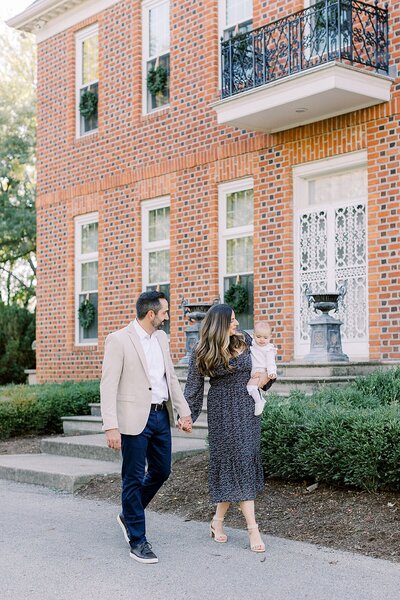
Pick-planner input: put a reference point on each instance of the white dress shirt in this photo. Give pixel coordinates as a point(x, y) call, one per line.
point(155, 363)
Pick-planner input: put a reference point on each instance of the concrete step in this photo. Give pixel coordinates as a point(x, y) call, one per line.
point(353, 369)
point(182, 380)
point(96, 412)
point(71, 462)
point(95, 409)
point(88, 424)
point(308, 385)
point(91, 446)
point(57, 472)
point(81, 425)
point(94, 446)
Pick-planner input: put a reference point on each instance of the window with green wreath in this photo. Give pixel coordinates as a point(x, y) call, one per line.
point(156, 48)
point(86, 278)
point(236, 249)
point(87, 66)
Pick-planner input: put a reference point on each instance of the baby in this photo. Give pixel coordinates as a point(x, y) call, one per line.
point(263, 360)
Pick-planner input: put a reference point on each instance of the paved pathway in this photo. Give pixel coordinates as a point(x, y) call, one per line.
point(55, 546)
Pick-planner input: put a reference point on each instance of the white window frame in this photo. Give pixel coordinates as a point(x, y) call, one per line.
point(79, 260)
point(147, 5)
point(221, 17)
point(80, 37)
point(147, 246)
point(301, 174)
point(225, 233)
point(221, 28)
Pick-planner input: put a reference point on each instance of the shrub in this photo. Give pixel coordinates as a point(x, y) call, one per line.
point(38, 409)
point(342, 436)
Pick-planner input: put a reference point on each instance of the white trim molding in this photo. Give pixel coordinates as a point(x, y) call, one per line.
point(46, 18)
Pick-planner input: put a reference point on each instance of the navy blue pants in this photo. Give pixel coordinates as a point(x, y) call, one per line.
point(153, 446)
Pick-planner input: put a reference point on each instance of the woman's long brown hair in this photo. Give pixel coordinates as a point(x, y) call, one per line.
point(216, 346)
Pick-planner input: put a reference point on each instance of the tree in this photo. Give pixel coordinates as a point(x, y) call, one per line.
point(17, 167)
point(17, 332)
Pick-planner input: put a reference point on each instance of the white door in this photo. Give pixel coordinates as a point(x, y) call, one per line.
point(331, 251)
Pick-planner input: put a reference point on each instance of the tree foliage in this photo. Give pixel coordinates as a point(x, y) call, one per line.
point(17, 332)
point(17, 167)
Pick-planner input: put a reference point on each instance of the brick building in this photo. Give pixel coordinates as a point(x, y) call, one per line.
point(270, 160)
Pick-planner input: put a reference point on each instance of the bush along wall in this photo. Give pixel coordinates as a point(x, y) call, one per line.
point(343, 436)
point(38, 409)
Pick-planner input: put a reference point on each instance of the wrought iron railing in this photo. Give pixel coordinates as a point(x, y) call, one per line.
point(332, 30)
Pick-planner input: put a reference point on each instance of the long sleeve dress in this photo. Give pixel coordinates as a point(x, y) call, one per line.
point(234, 432)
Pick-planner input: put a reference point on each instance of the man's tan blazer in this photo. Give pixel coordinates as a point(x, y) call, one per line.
point(125, 388)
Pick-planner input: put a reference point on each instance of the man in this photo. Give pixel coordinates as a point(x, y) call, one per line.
point(137, 390)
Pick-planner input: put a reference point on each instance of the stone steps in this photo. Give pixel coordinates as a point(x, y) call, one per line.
point(87, 424)
point(68, 463)
point(54, 471)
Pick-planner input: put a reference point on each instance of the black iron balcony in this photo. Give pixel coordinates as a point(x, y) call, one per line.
point(345, 31)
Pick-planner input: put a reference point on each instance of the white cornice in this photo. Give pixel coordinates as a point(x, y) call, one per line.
point(45, 18)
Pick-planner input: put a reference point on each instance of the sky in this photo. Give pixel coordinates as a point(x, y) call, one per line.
point(10, 8)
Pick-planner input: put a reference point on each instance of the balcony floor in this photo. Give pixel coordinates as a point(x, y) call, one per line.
point(318, 93)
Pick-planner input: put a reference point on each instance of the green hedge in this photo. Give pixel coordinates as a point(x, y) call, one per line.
point(38, 409)
point(342, 436)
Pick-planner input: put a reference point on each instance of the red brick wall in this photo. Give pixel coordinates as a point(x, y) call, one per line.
point(182, 152)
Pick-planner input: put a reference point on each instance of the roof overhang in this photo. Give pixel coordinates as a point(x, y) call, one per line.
point(46, 18)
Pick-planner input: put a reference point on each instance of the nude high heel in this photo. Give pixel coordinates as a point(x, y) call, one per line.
point(255, 547)
point(220, 538)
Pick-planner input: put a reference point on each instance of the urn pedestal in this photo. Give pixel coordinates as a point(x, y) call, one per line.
point(325, 338)
point(195, 313)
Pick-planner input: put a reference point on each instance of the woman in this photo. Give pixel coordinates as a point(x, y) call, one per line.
point(234, 432)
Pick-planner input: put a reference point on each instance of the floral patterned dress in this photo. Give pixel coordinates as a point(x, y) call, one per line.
point(234, 432)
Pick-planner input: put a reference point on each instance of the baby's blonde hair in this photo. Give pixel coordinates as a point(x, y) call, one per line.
point(264, 326)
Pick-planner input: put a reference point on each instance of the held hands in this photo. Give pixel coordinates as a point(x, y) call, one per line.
point(113, 438)
point(185, 424)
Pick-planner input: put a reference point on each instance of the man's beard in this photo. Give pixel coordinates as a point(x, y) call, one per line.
point(160, 325)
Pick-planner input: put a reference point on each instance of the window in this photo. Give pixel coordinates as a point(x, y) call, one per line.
point(236, 16)
point(155, 251)
point(86, 274)
point(156, 46)
point(327, 33)
point(236, 241)
point(236, 19)
point(87, 80)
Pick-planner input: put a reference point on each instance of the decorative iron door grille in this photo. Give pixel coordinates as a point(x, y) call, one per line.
point(331, 252)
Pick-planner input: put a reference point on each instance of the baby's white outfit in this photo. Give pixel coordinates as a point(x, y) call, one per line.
point(262, 360)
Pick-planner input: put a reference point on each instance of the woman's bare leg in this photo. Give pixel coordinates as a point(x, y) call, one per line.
point(217, 521)
point(248, 510)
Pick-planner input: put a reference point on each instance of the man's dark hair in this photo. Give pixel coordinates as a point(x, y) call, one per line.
point(148, 301)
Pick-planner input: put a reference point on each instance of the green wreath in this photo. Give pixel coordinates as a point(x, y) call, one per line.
point(237, 297)
point(86, 314)
point(157, 80)
point(88, 104)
